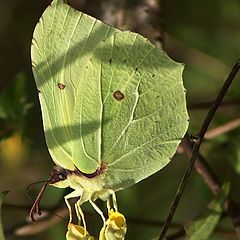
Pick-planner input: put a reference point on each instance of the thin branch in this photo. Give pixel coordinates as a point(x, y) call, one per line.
point(33, 229)
point(197, 143)
point(176, 235)
point(194, 57)
point(202, 167)
point(14, 207)
point(151, 223)
point(217, 102)
point(49, 219)
point(185, 146)
point(162, 22)
point(224, 128)
point(202, 105)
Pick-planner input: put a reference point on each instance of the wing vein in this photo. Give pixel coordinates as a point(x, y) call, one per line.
point(130, 119)
point(101, 114)
point(154, 87)
point(81, 109)
point(67, 117)
point(110, 83)
point(139, 147)
point(135, 104)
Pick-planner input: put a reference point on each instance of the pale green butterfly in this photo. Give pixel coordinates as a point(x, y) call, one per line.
point(113, 105)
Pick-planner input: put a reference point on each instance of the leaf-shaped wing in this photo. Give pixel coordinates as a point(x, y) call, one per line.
point(62, 47)
point(107, 97)
point(144, 108)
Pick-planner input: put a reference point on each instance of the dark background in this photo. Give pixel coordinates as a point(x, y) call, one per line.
point(205, 35)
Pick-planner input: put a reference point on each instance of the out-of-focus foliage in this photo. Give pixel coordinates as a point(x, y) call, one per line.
point(202, 34)
point(14, 106)
point(203, 226)
point(2, 195)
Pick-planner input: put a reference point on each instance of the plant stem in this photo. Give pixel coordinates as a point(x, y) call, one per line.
point(197, 139)
point(224, 128)
point(201, 166)
point(203, 105)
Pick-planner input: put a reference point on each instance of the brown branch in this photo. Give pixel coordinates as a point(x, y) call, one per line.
point(176, 235)
point(33, 229)
point(14, 207)
point(151, 223)
point(224, 128)
point(194, 57)
point(202, 167)
point(202, 105)
point(210, 134)
point(49, 219)
point(196, 146)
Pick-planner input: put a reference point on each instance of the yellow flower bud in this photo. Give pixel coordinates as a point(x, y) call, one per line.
point(77, 232)
point(116, 227)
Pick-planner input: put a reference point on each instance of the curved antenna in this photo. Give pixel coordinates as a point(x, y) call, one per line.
point(58, 174)
point(36, 205)
point(30, 185)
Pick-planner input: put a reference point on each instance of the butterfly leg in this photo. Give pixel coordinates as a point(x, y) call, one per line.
point(99, 211)
point(114, 201)
point(74, 194)
point(84, 197)
point(80, 215)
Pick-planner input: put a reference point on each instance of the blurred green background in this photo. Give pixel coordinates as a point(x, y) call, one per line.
point(205, 35)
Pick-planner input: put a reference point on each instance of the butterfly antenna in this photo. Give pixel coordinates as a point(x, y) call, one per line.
point(58, 174)
point(30, 185)
point(36, 205)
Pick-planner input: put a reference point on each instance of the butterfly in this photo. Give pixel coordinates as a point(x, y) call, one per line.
point(113, 105)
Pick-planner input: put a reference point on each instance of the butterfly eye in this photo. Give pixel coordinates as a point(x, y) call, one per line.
point(61, 176)
point(58, 174)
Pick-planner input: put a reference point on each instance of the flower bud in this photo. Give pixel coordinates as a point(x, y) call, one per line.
point(77, 232)
point(116, 227)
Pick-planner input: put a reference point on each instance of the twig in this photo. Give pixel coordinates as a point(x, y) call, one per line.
point(162, 22)
point(202, 105)
point(202, 167)
point(198, 138)
point(14, 207)
point(33, 229)
point(151, 223)
point(213, 183)
point(176, 235)
point(210, 134)
point(50, 219)
point(194, 57)
point(224, 128)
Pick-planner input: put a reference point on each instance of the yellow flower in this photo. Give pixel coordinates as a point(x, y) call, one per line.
point(115, 228)
point(77, 232)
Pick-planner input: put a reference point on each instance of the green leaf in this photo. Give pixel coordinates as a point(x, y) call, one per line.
point(110, 100)
point(2, 196)
point(203, 226)
point(14, 106)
